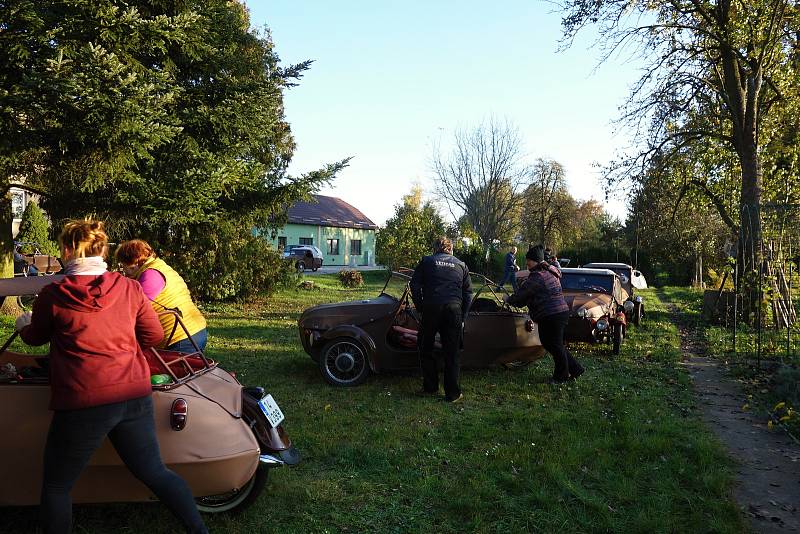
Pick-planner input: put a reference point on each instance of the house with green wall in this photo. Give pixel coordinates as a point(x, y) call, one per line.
point(344, 235)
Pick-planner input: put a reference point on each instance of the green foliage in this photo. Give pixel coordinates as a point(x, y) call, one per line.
point(220, 261)
point(351, 278)
point(164, 119)
point(34, 228)
point(409, 233)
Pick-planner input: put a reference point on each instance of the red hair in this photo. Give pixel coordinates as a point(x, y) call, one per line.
point(133, 252)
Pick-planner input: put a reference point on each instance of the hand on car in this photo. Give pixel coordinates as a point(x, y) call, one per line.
point(23, 321)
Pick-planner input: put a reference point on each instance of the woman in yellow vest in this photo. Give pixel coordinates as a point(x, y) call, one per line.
point(167, 291)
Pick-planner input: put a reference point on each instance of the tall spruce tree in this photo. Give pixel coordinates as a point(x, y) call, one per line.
point(164, 118)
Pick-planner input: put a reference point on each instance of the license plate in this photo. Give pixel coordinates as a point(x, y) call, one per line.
point(271, 410)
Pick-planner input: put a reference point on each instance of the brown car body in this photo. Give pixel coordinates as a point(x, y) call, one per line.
point(632, 303)
point(348, 340)
point(223, 450)
point(590, 305)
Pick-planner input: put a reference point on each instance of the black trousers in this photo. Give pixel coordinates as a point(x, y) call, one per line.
point(74, 436)
point(551, 334)
point(446, 320)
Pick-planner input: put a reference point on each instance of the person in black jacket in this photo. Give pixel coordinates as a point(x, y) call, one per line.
point(441, 290)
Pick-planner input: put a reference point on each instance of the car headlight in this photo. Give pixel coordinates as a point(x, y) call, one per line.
point(602, 324)
point(628, 306)
point(582, 313)
point(638, 299)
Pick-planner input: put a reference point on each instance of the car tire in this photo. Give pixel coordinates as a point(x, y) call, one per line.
point(301, 266)
point(343, 362)
point(638, 314)
point(616, 339)
point(235, 501)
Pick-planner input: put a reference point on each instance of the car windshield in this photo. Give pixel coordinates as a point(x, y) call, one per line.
point(396, 285)
point(587, 282)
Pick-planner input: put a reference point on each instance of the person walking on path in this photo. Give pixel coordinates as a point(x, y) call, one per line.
point(541, 292)
point(442, 290)
point(98, 323)
point(511, 269)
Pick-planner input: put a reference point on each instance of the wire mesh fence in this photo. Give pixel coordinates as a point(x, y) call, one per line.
point(758, 300)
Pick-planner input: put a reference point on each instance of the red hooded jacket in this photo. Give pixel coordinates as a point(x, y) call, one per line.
point(97, 326)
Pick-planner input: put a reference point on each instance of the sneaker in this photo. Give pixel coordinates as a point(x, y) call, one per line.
point(576, 375)
point(554, 380)
point(457, 399)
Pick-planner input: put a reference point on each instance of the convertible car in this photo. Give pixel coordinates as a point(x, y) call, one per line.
point(221, 437)
point(595, 301)
point(350, 340)
point(630, 280)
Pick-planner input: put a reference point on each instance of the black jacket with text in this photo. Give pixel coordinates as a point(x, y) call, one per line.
point(441, 279)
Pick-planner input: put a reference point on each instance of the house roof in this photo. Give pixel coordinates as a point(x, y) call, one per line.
point(329, 211)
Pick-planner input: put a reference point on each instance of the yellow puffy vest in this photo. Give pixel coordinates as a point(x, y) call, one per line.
point(175, 295)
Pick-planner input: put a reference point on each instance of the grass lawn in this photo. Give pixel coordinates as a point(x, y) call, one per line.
point(620, 450)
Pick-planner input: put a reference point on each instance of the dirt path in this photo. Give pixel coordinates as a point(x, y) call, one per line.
point(768, 471)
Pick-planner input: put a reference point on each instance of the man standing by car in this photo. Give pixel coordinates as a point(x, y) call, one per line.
point(541, 292)
point(441, 289)
point(511, 268)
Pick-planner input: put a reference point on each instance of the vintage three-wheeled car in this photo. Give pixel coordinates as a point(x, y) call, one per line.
point(348, 340)
point(221, 437)
point(630, 280)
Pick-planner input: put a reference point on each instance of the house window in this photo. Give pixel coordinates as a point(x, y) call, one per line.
point(17, 203)
point(282, 242)
point(333, 247)
point(306, 240)
point(355, 247)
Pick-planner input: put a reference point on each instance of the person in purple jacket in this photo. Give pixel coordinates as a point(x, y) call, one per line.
point(541, 292)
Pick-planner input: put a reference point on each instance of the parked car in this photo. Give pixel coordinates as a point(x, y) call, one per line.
point(630, 280)
point(221, 437)
point(350, 340)
point(595, 302)
point(304, 256)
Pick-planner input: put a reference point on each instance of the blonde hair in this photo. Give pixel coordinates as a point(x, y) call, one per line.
point(85, 237)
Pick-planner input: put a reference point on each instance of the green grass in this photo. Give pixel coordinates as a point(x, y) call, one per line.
point(621, 450)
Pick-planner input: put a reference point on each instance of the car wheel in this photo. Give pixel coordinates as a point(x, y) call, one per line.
point(343, 362)
point(235, 500)
point(301, 267)
point(616, 340)
point(638, 314)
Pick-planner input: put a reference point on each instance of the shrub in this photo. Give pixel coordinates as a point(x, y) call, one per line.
point(351, 278)
point(34, 228)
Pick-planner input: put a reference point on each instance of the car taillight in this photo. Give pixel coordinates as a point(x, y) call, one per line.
point(178, 414)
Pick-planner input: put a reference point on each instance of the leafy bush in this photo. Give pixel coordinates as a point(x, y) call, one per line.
point(351, 278)
point(220, 262)
point(34, 228)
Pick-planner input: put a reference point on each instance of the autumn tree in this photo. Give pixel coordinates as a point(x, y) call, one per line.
point(720, 73)
point(409, 233)
point(548, 206)
point(481, 179)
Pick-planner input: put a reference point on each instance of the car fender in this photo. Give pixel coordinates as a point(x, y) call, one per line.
point(353, 331)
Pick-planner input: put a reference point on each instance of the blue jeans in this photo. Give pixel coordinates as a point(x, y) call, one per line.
point(510, 275)
point(74, 436)
point(184, 345)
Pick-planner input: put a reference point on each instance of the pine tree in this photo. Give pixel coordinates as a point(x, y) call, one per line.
point(34, 228)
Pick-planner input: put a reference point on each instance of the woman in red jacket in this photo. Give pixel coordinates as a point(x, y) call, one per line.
point(97, 323)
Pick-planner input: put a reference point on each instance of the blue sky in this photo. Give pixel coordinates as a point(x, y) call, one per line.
point(392, 78)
